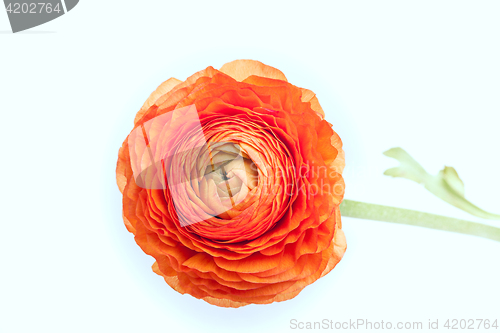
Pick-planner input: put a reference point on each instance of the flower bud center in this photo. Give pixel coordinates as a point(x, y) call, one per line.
point(233, 173)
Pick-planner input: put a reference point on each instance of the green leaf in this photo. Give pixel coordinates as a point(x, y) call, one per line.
point(446, 185)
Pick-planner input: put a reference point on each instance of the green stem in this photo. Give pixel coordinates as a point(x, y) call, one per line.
point(362, 210)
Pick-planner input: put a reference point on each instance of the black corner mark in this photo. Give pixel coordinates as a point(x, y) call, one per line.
point(26, 14)
point(70, 4)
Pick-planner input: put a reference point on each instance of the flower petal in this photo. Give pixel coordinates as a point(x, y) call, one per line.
point(162, 89)
point(241, 69)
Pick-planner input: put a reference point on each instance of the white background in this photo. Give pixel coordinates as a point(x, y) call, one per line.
point(423, 75)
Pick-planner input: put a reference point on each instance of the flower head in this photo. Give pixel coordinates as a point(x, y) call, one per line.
point(232, 181)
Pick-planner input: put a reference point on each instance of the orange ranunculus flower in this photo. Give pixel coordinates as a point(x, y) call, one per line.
point(232, 181)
